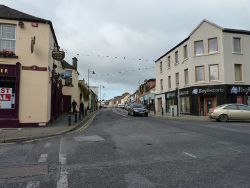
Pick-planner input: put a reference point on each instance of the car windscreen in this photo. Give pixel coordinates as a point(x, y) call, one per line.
point(138, 106)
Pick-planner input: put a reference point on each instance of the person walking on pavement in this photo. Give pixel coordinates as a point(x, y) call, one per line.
point(81, 108)
point(74, 105)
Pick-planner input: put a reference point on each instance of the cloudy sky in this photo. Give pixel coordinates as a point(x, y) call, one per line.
point(120, 39)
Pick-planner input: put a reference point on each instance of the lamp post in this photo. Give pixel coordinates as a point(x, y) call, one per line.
point(101, 94)
point(92, 72)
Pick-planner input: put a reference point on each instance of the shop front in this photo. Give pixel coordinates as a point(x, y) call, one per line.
point(171, 99)
point(9, 95)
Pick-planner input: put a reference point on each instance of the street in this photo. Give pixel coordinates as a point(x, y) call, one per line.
point(117, 150)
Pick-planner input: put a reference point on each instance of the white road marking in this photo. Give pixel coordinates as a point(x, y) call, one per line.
point(43, 158)
point(223, 142)
point(116, 112)
point(189, 154)
point(63, 180)
point(94, 138)
point(33, 184)
point(47, 145)
point(234, 149)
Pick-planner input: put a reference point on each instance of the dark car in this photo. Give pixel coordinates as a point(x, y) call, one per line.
point(137, 109)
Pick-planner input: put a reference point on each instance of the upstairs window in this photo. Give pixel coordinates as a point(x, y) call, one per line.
point(198, 47)
point(236, 45)
point(160, 67)
point(186, 76)
point(185, 52)
point(169, 62)
point(161, 82)
point(176, 57)
point(199, 73)
point(238, 72)
point(213, 72)
point(212, 45)
point(169, 82)
point(8, 37)
point(177, 79)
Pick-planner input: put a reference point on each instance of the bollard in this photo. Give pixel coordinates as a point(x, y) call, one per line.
point(80, 115)
point(162, 111)
point(69, 120)
point(75, 117)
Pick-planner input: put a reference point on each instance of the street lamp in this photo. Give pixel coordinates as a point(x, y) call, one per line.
point(92, 72)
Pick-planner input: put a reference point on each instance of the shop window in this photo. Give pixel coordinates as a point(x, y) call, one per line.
point(199, 73)
point(198, 48)
point(238, 72)
point(7, 93)
point(7, 38)
point(185, 104)
point(213, 72)
point(212, 45)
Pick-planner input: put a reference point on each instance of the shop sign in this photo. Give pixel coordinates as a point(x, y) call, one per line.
point(239, 89)
point(170, 95)
point(7, 70)
point(58, 55)
point(183, 92)
point(5, 98)
point(3, 71)
point(197, 91)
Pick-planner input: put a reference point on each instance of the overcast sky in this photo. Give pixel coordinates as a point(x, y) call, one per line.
point(119, 39)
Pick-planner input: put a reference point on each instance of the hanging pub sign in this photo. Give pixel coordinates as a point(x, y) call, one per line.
point(5, 98)
point(58, 55)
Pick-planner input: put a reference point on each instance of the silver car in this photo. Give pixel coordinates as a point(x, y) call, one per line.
point(228, 112)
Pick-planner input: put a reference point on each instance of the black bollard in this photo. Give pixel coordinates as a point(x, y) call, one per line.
point(75, 117)
point(80, 115)
point(69, 120)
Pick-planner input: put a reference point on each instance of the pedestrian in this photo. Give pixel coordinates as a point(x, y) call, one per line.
point(81, 108)
point(74, 105)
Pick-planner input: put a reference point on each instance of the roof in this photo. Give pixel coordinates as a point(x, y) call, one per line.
point(226, 30)
point(66, 65)
point(12, 14)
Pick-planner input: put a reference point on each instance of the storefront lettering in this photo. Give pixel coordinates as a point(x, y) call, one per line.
point(3, 71)
point(239, 89)
point(206, 91)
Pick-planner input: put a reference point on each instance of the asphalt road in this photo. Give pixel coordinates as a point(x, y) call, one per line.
point(119, 151)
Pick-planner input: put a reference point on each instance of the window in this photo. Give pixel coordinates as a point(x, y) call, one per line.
point(8, 37)
point(176, 57)
point(161, 84)
point(199, 73)
point(186, 76)
point(213, 72)
point(238, 72)
point(185, 52)
point(198, 47)
point(244, 107)
point(68, 78)
point(169, 62)
point(212, 45)
point(231, 107)
point(236, 45)
point(177, 79)
point(169, 82)
point(185, 104)
point(160, 67)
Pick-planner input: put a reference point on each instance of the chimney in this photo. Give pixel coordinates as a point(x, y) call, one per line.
point(74, 62)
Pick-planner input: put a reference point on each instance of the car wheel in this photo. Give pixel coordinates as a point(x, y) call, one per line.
point(223, 118)
point(128, 113)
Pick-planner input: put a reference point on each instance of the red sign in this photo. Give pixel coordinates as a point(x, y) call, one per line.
point(5, 98)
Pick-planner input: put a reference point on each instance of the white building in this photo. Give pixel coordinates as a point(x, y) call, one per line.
point(209, 68)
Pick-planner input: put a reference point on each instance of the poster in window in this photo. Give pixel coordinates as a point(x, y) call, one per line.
point(5, 98)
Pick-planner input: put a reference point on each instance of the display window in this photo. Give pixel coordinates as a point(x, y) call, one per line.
point(7, 93)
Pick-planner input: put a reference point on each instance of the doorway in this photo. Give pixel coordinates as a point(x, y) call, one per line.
point(209, 102)
point(159, 102)
point(66, 103)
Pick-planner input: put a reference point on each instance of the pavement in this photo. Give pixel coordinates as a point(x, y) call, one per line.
point(58, 127)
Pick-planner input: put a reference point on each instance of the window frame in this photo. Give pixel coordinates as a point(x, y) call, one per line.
point(177, 81)
point(176, 57)
point(239, 52)
point(240, 72)
point(195, 52)
point(216, 45)
point(169, 82)
point(169, 62)
point(161, 84)
point(8, 39)
point(186, 79)
point(196, 67)
point(218, 73)
point(185, 52)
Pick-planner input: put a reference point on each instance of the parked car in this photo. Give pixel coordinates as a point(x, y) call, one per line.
point(120, 106)
point(228, 112)
point(126, 106)
point(137, 109)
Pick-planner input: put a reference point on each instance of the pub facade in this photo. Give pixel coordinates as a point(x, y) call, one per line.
point(30, 83)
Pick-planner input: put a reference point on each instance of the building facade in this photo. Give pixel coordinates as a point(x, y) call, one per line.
point(29, 76)
point(208, 68)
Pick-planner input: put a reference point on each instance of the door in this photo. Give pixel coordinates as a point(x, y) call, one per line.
point(66, 103)
point(210, 102)
point(244, 112)
point(159, 100)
